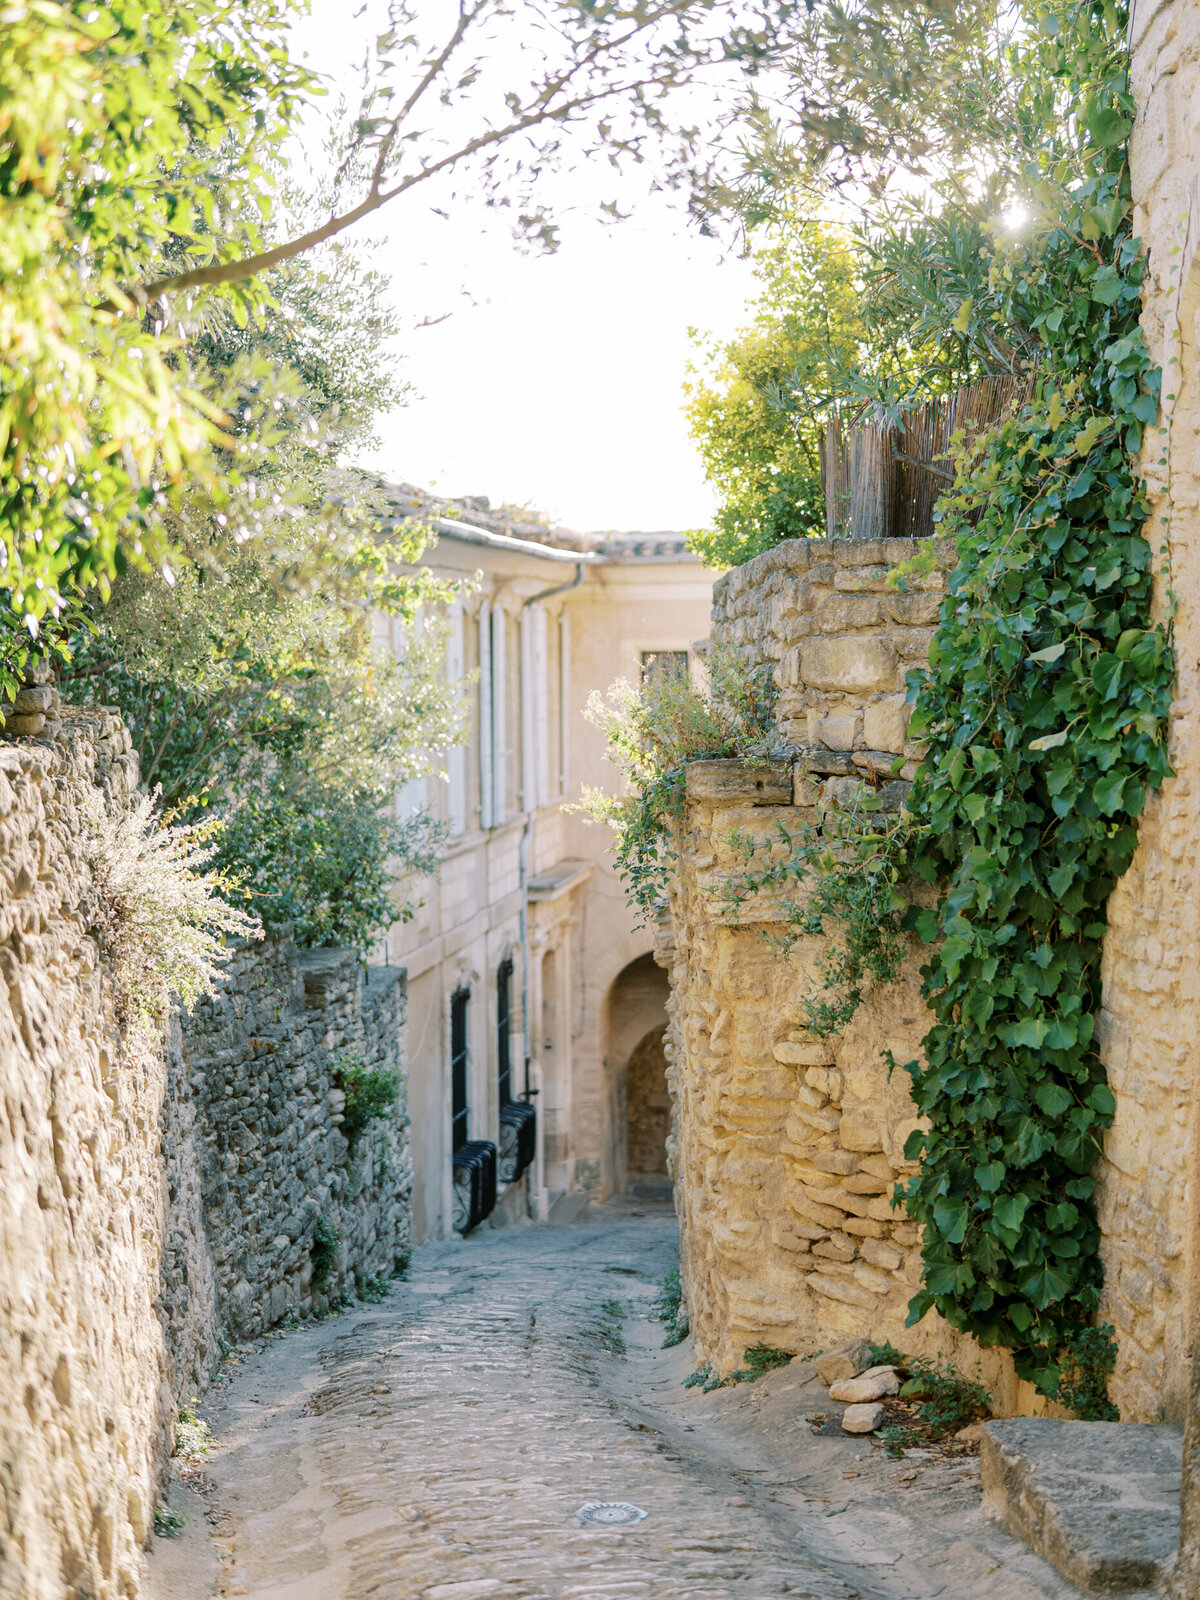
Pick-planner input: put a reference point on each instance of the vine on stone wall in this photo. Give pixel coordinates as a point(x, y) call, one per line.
point(1045, 712)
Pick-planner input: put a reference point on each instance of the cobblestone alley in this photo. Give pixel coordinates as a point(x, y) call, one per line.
point(440, 1446)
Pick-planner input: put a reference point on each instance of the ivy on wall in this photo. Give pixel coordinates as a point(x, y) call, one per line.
point(1045, 712)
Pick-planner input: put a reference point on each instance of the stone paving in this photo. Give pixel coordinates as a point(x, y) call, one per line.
point(440, 1446)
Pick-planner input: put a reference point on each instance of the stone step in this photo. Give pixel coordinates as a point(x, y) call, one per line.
point(1098, 1500)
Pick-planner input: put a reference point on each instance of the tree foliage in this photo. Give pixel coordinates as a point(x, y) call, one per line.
point(654, 729)
point(251, 679)
point(113, 115)
point(756, 412)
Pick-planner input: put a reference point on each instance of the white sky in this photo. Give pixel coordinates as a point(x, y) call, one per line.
point(555, 382)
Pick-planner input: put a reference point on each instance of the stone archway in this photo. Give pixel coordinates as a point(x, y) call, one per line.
point(647, 1107)
point(639, 1106)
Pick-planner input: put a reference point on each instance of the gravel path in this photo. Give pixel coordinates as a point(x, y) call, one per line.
point(440, 1446)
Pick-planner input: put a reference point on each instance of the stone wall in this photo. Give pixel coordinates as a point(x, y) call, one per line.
point(85, 1410)
point(786, 1147)
point(156, 1194)
point(259, 1123)
point(1151, 981)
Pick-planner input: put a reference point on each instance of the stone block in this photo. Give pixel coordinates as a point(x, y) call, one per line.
point(836, 730)
point(862, 1418)
point(867, 1183)
point(871, 1278)
point(881, 1254)
point(804, 791)
point(876, 1383)
point(854, 1204)
point(864, 1227)
point(841, 613)
point(837, 1247)
point(739, 783)
point(828, 1080)
point(858, 1131)
point(845, 1360)
point(913, 610)
point(810, 1211)
point(823, 1121)
point(885, 724)
point(837, 1288)
point(867, 665)
point(804, 1053)
point(1098, 1500)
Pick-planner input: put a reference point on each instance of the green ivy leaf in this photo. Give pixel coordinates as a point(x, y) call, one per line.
point(990, 1177)
point(1044, 1285)
point(1053, 1099)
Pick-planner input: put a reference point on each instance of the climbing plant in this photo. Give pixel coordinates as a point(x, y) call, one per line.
point(1044, 709)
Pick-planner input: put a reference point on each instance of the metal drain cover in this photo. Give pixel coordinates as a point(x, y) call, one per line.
point(611, 1513)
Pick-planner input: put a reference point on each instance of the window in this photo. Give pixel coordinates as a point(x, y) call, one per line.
point(459, 1002)
point(504, 979)
point(664, 664)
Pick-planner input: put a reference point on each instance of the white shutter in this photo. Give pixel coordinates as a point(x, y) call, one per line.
point(541, 708)
point(456, 760)
point(487, 776)
point(500, 749)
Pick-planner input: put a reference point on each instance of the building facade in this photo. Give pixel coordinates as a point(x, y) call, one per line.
point(529, 981)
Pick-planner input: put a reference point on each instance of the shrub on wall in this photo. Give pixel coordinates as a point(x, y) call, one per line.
point(156, 908)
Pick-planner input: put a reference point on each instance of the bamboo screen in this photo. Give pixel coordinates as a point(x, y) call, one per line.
point(882, 481)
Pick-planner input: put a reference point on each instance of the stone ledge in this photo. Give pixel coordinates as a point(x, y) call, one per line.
point(739, 782)
point(1098, 1500)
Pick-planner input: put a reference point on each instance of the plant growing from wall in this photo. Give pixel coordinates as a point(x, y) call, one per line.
point(323, 1252)
point(157, 908)
point(370, 1092)
point(1044, 709)
point(654, 730)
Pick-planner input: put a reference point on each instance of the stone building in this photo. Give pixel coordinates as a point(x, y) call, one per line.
point(526, 972)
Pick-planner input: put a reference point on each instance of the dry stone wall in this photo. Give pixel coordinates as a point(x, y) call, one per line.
point(259, 1060)
point(786, 1147)
point(1149, 1187)
point(85, 1410)
point(157, 1195)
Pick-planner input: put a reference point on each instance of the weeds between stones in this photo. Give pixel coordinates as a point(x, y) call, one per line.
point(168, 1524)
point(609, 1327)
point(670, 1310)
point(759, 1359)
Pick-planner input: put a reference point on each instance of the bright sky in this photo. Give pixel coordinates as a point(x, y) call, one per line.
point(555, 382)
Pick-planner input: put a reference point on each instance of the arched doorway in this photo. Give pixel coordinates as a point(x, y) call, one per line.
point(647, 1108)
point(639, 1105)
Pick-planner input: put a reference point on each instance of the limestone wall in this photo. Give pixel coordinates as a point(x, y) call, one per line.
point(85, 1410)
point(1150, 1025)
point(261, 1125)
point(786, 1147)
point(156, 1194)
point(820, 612)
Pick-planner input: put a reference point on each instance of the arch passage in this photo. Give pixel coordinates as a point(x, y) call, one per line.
point(648, 1107)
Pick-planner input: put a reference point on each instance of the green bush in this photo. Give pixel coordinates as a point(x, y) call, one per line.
point(653, 731)
point(370, 1094)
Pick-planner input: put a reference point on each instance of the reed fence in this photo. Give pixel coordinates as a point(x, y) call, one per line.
point(883, 479)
